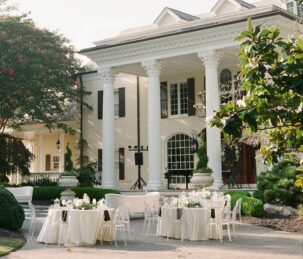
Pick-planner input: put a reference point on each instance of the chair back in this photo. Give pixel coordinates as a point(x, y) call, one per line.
point(113, 200)
point(22, 194)
point(237, 209)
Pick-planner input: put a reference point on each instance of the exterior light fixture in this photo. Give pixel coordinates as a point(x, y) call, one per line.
point(193, 142)
point(58, 143)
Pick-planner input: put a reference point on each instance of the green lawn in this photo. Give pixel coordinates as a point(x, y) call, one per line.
point(10, 241)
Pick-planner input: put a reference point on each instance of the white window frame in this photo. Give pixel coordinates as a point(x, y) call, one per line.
point(55, 166)
point(178, 83)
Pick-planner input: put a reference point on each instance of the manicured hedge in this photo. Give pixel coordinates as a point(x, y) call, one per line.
point(11, 212)
point(53, 192)
point(250, 206)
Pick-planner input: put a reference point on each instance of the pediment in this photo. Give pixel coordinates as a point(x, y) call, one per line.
point(171, 16)
point(230, 6)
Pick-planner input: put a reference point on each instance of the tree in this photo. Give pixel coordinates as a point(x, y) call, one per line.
point(37, 69)
point(68, 163)
point(272, 77)
point(37, 75)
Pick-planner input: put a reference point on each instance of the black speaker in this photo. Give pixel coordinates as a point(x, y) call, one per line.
point(138, 158)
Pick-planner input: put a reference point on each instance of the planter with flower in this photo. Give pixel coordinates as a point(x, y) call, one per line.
point(69, 178)
point(202, 175)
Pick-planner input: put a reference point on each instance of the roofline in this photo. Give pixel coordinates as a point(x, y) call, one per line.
point(278, 10)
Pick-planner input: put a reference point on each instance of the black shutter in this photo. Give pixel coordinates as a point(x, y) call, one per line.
point(47, 162)
point(164, 102)
point(100, 160)
point(100, 105)
point(121, 102)
point(191, 96)
point(121, 164)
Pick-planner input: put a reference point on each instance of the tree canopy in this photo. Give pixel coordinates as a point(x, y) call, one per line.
point(37, 81)
point(272, 77)
point(37, 69)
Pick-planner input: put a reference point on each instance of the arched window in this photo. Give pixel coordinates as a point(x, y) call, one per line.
point(179, 157)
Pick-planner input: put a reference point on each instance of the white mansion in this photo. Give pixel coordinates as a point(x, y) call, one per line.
point(176, 62)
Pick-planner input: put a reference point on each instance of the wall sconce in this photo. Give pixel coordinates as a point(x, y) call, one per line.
point(193, 142)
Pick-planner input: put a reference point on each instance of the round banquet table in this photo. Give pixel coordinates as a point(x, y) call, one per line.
point(73, 227)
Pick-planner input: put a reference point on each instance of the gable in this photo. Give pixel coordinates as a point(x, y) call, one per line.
point(171, 16)
point(230, 6)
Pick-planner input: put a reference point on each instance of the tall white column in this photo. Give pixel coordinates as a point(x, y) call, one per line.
point(40, 150)
point(61, 153)
point(108, 130)
point(210, 61)
point(153, 70)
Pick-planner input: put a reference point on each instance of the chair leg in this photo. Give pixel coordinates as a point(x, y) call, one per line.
point(228, 232)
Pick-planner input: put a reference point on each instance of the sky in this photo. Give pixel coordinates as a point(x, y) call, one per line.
point(86, 21)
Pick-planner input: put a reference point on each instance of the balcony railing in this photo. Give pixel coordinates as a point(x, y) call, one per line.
point(40, 176)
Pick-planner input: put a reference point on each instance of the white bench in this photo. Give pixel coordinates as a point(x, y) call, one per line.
point(136, 201)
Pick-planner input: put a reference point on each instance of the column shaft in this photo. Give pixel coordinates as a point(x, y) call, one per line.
point(153, 69)
point(210, 60)
point(108, 146)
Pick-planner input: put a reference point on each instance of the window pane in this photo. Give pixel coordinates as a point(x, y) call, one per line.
point(116, 103)
point(183, 98)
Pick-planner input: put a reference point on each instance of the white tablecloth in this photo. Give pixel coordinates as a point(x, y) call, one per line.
point(82, 227)
point(195, 224)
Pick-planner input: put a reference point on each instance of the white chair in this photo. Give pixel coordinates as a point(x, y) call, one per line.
point(218, 207)
point(125, 213)
point(151, 217)
point(116, 224)
point(34, 219)
point(227, 207)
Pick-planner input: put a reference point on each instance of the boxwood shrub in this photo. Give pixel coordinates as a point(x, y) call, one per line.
point(11, 212)
point(53, 192)
point(250, 206)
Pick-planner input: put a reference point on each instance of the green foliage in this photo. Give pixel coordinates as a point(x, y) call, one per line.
point(250, 206)
point(87, 174)
point(277, 185)
point(36, 74)
point(238, 193)
point(201, 166)
point(272, 77)
point(68, 163)
point(3, 179)
point(14, 156)
point(258, 195)
point(51, 193)
point(11, 212)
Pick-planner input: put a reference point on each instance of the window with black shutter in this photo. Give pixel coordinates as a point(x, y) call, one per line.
point(100, 160)
point(122, 102)
point(191, 96)
point(47, 162)
point(100, 105)
point(121, 164)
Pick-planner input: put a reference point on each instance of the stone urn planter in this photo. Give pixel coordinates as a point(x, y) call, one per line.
point(68, 181)
point(201, 180)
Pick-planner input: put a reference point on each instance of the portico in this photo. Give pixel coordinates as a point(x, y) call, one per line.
point(196, 50)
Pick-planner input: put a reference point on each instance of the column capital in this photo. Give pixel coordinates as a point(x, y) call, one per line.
point(152, 67)
point(209, 58)
point(108, 75)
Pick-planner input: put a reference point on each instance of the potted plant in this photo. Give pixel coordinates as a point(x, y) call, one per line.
point(202, 174)
point(69, 178)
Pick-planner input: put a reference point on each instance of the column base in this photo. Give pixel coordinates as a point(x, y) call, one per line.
point(217, 185)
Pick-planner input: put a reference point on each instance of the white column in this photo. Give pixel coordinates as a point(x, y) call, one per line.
point(153, 70)
point(40, 150)
point(62, 151)
point(210, 61)
point(108, 130)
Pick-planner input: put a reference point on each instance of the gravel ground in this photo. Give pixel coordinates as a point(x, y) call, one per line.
point(276, 222)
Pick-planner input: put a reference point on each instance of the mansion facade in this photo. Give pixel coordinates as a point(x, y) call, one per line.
point(146, 83)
